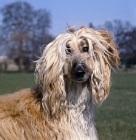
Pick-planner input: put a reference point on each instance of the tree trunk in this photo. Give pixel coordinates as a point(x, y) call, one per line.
point(20, 65)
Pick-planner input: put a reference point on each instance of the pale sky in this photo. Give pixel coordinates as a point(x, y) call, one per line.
point(82, 12)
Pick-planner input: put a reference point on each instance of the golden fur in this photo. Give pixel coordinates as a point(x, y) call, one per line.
point(72, 74)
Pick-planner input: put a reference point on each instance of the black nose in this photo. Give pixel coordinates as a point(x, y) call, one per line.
point(79, 71)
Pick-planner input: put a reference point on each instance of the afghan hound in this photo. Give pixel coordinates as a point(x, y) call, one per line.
point(72, 75)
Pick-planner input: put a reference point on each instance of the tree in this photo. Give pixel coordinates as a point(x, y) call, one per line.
point(41, 30)
point(22, 27)
point(125, 35)
point(91, 25)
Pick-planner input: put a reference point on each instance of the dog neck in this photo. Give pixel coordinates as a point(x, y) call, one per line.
point(80, 110)
point(78, 95)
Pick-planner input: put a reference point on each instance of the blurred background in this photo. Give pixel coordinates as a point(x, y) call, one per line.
point(27, 26)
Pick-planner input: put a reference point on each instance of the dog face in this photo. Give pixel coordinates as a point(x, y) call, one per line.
point(84, 55)
point(77, 52)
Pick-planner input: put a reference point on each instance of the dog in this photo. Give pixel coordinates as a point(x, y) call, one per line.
point(72, 75)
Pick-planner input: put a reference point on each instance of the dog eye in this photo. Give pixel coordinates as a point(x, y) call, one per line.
point(68, 49)
point(67, 46)
point(85, 49)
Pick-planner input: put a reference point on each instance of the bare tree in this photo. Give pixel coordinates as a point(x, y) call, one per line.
point(91, 25)
point(125, 35)
point(22, 27)
point(41, 30)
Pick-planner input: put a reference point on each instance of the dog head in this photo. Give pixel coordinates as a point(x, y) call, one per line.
point(84, 55)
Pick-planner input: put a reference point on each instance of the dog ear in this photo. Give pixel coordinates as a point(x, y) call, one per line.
point(111, 48)
point(49, 75)
point(106, 58)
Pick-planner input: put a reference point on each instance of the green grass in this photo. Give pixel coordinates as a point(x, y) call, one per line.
point(115, 119)
point(15, 81)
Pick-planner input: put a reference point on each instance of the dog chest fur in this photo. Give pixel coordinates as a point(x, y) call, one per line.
point(17, 113)
point(80, 112)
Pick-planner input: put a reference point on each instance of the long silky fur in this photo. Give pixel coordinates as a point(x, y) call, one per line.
point(60, 108)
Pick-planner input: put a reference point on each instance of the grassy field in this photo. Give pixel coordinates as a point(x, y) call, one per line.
point(115, 119)
point(15, 81)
